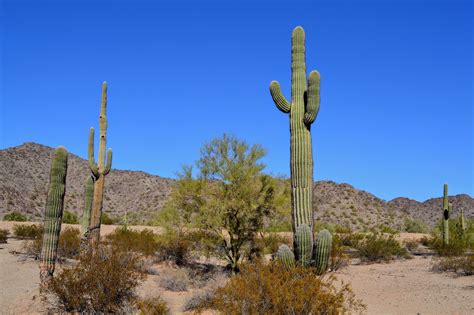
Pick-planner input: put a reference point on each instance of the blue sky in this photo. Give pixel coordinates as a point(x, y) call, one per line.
point(396, 114)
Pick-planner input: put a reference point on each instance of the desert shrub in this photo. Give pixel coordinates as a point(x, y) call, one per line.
point(125, 239)
point(385, 229)
point(68, 246)
point(456, 247)
point(15, 216)
point(24, 231)
point(103, 282)
point(272, 289)
point(198, 301)
point(175, 247)
point(380, 247)
point(426, 240)
point(4, 236)
point(176, 281)
point(263, 244)
point(339, 259)
point(70, 218)
point(411, 245)
point(414, 226)
point(106, 219)
point(152, 306)
point(463, 265)
point(351, 239)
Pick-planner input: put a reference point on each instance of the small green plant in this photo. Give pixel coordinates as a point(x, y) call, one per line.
point(15, 216)
point(70, 217)
point(103, 281)
point(26, 231)
point(271, 289)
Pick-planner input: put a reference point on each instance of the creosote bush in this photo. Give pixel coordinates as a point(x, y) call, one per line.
point(101, 282)
point(24, 231)
point(374, 247)
point(124, 239)
point(272, 289)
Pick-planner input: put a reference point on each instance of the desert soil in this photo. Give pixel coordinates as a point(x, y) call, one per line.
point(400, 287)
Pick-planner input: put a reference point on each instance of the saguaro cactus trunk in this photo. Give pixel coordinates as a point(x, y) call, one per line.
point(303, 109)
point(445, 215)
point(53, 213)
point(99, 170)
point(86, 216)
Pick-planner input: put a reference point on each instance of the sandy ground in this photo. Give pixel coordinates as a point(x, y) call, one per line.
point(401, 287)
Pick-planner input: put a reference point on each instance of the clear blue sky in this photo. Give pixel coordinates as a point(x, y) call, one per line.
point(396, 114)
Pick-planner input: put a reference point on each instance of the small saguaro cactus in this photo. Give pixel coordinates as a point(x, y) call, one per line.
point(462, 221)
point(445, 215)
point(53, 213)
point(86, 216)
point(302, 110)
point(99, 170)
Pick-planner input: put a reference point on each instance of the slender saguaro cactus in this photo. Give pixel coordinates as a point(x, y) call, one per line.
point(53, 213)
point(86, 216)
point(303, 109)
point(445, 215)
point(99, 170)
point(462, 221)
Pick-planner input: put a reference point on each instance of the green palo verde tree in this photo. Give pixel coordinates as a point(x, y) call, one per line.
point(302, 110)
point(229, 198)
point(53, 213)
point(99, 171)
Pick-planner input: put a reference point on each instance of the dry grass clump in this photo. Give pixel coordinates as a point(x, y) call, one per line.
point(143, 242)
point(271, 289)
point(101, 282)
point(462, 265)
point(152, 306)
point(4, 236)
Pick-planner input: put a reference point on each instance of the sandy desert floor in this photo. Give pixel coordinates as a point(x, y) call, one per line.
point(401, 287)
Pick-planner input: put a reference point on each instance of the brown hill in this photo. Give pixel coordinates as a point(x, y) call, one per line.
point(24, 178)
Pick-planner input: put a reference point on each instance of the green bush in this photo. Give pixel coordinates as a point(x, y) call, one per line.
point(101, 282)
point(414, 226)
point(125, 239)
point(376, 247)
point(70, 218)
point(105, 219)
point(272, 289)
point(25, 231)
point(176, 247)
point(4, 236)
point(15, 216)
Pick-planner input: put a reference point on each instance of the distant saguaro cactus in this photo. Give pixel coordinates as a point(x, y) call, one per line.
point(53, 213)
point(462, 221)
point(303, 109)
point(445, 215)
point(99, 170)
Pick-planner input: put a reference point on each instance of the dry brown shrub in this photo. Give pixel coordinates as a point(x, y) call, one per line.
point(101, 282)
point(271, 289)
point(152, 306)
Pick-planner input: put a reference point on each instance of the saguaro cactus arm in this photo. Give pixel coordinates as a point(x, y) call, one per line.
point(312, 98)
point(92, 164)
point(108, 165)
point(278, 97)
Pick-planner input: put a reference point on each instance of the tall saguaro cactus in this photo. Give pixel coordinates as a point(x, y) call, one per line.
point(99, 170)
point(445, 215)
point(302, 109)
point(53, 213)
point(86, 216)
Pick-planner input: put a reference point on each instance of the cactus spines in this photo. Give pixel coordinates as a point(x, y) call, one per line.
point(303, 110)
point(304, 245)
point(445, 215)
point(322, 251)
point(86, 216)
point(99, 170)
point(53, 213)
point(286, 256)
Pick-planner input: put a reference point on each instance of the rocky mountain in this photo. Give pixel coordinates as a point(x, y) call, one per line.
point(24, 172)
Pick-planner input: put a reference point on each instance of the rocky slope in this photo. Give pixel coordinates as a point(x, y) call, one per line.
point(24, 178)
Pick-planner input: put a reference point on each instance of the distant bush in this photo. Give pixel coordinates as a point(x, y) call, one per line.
point(176, 247)
point(272, 289)
point(125, 239)
point(456, 247)
point(176, 281)
point(105, 219)
point(68, 246)
point(15, 216)
point(198, 300)
point(24, 231)
point(70, 218)
point(376, 247)
point(103, 282)
point(4, 236)
point(463, 265)
point(339, 259)
point(414, 226)
point(152, 306)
